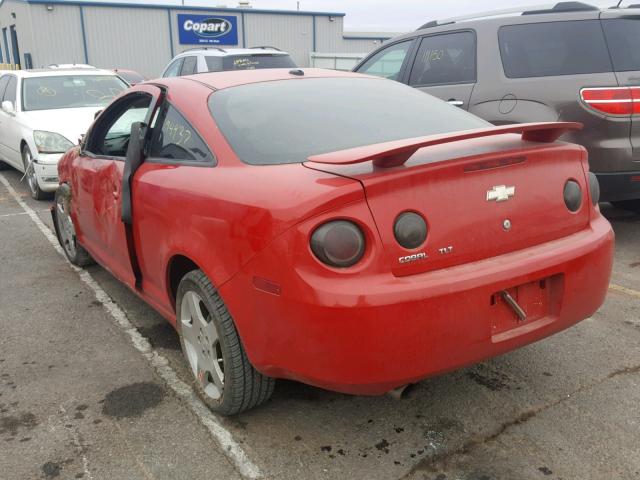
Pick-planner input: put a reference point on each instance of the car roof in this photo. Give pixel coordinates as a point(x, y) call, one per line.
point(564, 10)
point(226, 52)
point(48, 72)
point(220, 80)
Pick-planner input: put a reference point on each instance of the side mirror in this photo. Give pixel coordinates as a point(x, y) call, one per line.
point(8, 107)
point(81, 140)
point(135, 156)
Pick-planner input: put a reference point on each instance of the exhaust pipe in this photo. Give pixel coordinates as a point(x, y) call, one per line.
point(397, 393)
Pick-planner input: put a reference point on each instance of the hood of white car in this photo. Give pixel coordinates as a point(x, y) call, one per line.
point(68, 122)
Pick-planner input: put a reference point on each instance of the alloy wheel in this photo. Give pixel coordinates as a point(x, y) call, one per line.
point(202, 344)
point(66, 229)
point(30, 171)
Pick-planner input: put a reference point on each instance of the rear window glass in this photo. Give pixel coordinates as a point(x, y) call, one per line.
point(287, 121)
point(623, 37)
point(248, 62)
point(556, 48)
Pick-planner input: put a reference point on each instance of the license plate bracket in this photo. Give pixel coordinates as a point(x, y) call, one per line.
point(537, 299)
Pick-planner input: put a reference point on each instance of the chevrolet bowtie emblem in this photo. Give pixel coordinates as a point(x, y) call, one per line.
point(500, 193)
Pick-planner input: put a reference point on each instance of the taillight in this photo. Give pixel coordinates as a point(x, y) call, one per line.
point(635, 96)
point(594, 188)
point(572, 195)
point(621, 101)
point(410, 230)
point(338, 243)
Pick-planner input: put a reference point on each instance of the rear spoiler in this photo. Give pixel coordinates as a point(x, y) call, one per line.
point(397, 152)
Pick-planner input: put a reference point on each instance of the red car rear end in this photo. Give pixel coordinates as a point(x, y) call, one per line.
point(405, 314)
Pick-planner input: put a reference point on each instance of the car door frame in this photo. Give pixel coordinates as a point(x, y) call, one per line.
point(3, 117)
point(468, 85)
point(152, 272)
point(119, 261)
point(12, 131)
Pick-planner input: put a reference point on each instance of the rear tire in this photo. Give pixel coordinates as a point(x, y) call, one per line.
point(225, 379)
point(633, 205)
point(30, 174)
point(65, 230)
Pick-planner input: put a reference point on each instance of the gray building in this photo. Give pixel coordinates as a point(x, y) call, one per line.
point(144, 37)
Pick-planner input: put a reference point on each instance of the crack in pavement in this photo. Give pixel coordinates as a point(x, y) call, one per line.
point(440, 461)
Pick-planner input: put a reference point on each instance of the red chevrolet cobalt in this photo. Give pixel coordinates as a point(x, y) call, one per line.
point(340, 230)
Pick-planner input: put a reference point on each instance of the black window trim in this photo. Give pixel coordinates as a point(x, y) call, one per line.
point(561, 74)
point(447, 32)
point(402, 73)
point(90, 135)
point(164, 108)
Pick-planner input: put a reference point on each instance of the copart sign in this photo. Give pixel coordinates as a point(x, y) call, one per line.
point(208, 29)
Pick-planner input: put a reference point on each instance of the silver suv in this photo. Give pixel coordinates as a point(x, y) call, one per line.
point(215, 59)
point(570, 62)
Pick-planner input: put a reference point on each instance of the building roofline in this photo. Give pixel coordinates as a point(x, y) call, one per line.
point(177, 7)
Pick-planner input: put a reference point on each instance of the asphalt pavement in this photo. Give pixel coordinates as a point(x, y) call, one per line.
point(82, 395)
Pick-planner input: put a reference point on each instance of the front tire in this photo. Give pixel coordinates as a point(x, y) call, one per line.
point(225, 379)
point(30, 174)
point(65, 230)
point(633, 205)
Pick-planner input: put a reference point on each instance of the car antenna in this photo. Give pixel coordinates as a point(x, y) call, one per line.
point(297, 72)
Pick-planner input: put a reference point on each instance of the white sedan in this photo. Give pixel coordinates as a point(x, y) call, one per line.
point(44, 112)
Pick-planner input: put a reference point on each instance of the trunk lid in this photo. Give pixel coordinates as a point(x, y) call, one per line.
point(481, 196)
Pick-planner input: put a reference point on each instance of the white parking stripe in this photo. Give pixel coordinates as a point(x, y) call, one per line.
point(5, 215)
point(625, 290)
point(225, 439)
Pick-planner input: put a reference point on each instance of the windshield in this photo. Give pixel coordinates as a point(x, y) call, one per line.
point(249, 62)
point(287, 121)
point(70, 91)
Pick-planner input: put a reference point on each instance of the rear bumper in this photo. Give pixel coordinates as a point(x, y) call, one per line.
point(370, 334)
point(619, 186)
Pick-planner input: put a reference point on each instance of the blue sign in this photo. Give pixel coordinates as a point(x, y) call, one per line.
point(207, 30)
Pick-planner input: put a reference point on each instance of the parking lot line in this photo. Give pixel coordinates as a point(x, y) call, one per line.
point(628, 291)
point(17, 214)
point(221, 435)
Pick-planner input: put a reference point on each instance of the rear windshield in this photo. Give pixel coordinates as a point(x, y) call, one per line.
point(287, 121)
point(623, 37)
point(248, 62)
point(556, 48)
point(70, 91)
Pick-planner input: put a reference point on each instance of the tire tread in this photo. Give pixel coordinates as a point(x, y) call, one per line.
point(245, 387)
